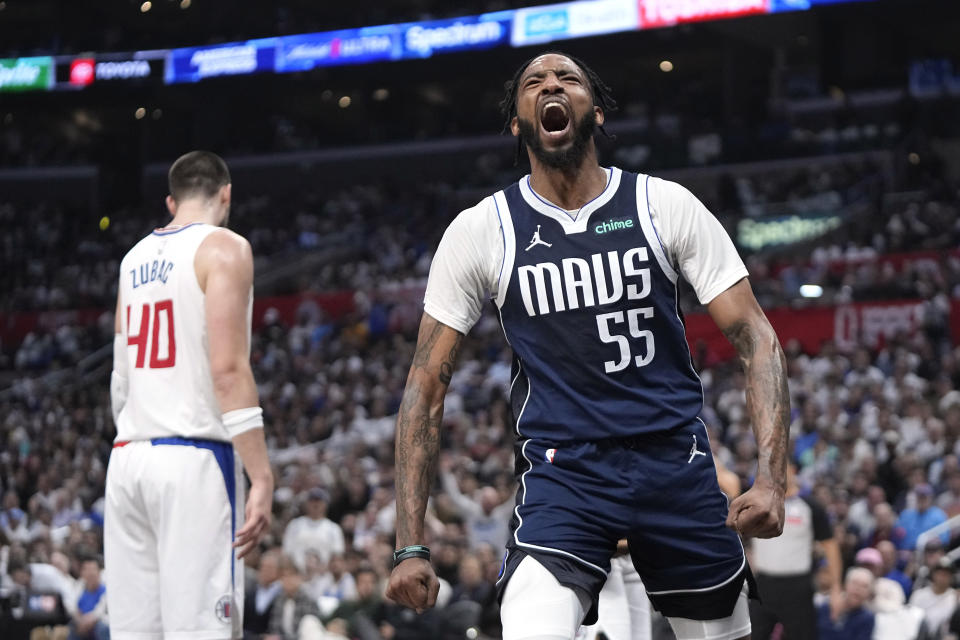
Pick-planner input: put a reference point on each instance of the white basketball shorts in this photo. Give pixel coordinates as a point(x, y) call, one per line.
point(173, 506)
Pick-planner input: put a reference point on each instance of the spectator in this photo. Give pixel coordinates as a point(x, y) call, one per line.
point(313, 531)
point(334, 585)
point(90, 621)
point(938, 600)
point(261, 594)
point(853, 620)
point(294, 611)
point(471, 586)
point(487, 517)
point(917, 520)
point(891, 569)
point(362, 615)
point(895, 620)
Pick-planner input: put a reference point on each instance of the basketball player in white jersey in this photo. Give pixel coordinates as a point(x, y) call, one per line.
point(184, 400)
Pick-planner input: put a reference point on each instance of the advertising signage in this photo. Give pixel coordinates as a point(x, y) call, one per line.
point(26, 74)
point(663, 13)
point(423, 39)
point(536, 25)
point(115, 68)
point(193, 64)
point(330, 48)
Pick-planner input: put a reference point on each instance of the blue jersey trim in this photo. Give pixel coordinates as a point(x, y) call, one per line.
point(163, 232)
point(223, 454)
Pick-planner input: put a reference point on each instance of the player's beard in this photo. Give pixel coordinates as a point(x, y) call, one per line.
point(570, 157)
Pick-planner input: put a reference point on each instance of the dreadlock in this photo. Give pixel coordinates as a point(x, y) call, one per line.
point(601, 92)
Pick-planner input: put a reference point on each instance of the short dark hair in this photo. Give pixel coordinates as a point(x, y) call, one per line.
point(198, 173)
point(601, 92)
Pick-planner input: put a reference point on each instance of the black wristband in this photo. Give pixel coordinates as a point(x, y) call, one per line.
point(411, 551)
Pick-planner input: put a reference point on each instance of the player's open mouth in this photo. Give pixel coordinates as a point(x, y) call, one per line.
point(554, 120)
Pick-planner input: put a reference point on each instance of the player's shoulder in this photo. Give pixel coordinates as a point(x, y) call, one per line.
point(667, 192)
point(224, 245)
point(478, 218)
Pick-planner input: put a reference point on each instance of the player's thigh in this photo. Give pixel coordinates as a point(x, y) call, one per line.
point(131, 565)
point(199, 509)
point(733, 627)
point(535, 606)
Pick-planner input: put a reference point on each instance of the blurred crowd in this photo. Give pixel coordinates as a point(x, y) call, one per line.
point(876, 433)
point(875, 430)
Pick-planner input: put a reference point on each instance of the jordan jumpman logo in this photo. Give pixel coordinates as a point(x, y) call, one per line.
point(536, 240)
point(694, 452)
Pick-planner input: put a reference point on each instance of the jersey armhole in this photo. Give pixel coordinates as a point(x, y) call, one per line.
point(649, 229)
point(509, 247)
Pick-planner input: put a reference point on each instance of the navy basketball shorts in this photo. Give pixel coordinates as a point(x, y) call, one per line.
point(659, 491)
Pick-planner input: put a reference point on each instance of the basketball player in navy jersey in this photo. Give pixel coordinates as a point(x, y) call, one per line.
point(582, 262)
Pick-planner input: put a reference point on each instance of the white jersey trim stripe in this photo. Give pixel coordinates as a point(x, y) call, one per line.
point(509, 247)
point(646, 224)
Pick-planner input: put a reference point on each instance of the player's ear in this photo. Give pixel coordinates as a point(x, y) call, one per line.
point(172, 206)
point(225, 193)
point(598, 116)
point(515, 126)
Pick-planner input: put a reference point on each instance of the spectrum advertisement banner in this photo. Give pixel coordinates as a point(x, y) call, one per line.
point(330, 48)
point(26, 74)
point(536, 25)
point(423, 39)
point(192, 64)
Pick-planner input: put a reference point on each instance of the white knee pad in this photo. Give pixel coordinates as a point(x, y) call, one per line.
point(536, 606)
point(734, 626)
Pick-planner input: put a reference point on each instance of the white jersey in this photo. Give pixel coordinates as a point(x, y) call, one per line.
point(168, 359)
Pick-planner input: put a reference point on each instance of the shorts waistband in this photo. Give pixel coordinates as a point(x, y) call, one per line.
point(202, 443)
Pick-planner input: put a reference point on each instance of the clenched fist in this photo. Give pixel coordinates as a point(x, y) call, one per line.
point(758, 513)
point(414, 584)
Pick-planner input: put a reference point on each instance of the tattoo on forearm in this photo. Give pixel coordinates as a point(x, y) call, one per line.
point(426, 341)
point(768, 397)
point(741, 337)
point(446, 367)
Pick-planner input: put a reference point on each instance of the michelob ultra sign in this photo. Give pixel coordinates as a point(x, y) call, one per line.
point(26, 74)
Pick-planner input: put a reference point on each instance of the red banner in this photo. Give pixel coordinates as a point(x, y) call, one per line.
point(868, 324)
point(663, 13)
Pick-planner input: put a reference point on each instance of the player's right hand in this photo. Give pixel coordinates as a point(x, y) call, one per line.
point(414, 584)
point(258, 516)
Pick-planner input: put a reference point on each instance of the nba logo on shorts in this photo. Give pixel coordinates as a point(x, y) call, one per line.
point(549, 455)
point(223, 607)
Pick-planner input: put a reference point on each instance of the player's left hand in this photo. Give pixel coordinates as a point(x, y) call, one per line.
point(258, 515)
point(758, 513)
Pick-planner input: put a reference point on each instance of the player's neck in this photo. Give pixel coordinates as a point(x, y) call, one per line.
point(568, 189)
point(189, 213)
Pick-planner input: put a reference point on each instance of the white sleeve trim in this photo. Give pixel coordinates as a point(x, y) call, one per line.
point(722, 285)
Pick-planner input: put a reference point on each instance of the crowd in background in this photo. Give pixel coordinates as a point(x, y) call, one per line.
point(875, 427)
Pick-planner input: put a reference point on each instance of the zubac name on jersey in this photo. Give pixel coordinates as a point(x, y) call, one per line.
point(157, 270)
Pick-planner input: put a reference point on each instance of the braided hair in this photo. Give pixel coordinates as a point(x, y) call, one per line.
point(599, 90)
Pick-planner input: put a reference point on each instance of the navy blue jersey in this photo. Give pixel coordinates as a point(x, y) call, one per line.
point(593, 319)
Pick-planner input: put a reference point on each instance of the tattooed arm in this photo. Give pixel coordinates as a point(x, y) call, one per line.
point(413, 582)
point(759, 511)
